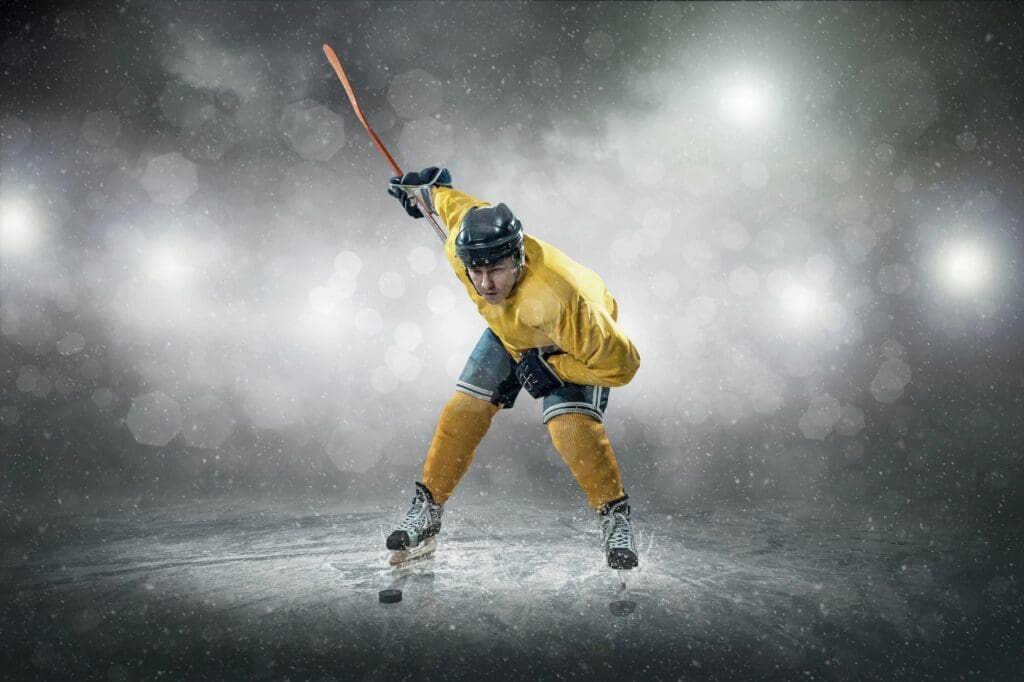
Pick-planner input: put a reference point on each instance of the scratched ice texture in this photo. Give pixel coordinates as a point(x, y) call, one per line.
point(291, 592)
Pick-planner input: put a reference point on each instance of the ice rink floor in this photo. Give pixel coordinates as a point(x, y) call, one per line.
point(290, 591)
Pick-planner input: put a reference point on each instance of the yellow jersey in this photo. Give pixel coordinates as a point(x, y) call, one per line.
point(557, 302)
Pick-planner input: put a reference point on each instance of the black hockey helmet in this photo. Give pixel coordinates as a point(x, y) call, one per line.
point(487, 235)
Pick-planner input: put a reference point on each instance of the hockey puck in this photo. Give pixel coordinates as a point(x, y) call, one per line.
point(622, 608)
point(390, 596)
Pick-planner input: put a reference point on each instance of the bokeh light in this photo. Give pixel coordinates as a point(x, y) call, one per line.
point(965, 267)
point(747, 100)
point(18, 230)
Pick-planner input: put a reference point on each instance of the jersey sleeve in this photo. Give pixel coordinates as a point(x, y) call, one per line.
point(452, 205)
point(597, 352)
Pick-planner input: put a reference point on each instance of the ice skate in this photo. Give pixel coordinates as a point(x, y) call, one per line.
point(619, 544)
point(415, 536)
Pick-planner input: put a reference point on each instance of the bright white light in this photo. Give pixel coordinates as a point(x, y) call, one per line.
point(18, 234)
point(164, 265)
point(965, 267)
point(799, 304)
point(323, 301)
point(747, 101)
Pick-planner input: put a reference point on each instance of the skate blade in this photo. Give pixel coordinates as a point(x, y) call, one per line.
point(404, 556)
point(622, 580)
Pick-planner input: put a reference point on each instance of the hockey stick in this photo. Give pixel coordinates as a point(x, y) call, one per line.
point(333, 59)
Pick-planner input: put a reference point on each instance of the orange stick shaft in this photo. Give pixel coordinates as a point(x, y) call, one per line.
point(343, 77)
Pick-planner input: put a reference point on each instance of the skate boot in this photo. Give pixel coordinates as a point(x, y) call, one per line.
point(422, 522)
point(619, 544)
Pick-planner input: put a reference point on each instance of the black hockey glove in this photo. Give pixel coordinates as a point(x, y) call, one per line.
point(411, 185)
point(535, 375)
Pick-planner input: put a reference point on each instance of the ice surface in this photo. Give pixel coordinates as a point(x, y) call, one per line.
point(513, 592)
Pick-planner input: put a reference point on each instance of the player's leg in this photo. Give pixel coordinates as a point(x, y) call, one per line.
point(574, 416)
point(482, 390)
point(486, 385)
point(463, 423)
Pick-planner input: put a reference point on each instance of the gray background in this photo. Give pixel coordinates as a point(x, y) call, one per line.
point(219, 297)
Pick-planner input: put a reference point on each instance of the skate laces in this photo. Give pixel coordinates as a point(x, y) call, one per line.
point(421, 515)
point(412, 520)
point(618, 530)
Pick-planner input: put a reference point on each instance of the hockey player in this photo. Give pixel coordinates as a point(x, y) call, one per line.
point(551, 329)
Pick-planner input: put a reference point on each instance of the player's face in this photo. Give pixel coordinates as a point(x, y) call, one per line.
point(495, 281)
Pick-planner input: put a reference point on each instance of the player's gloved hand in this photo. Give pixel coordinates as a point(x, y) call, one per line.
point(412, 185)
point(536, 375)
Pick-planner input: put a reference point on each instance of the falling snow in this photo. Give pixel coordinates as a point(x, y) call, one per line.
point(808, 215)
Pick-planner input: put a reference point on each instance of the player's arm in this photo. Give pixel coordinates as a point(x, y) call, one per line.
point(452, 205)
point(433, 186)
point(596, 351)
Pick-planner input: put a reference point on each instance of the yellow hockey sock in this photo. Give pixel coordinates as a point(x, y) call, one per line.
point(581, 441)
point(462, 425)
